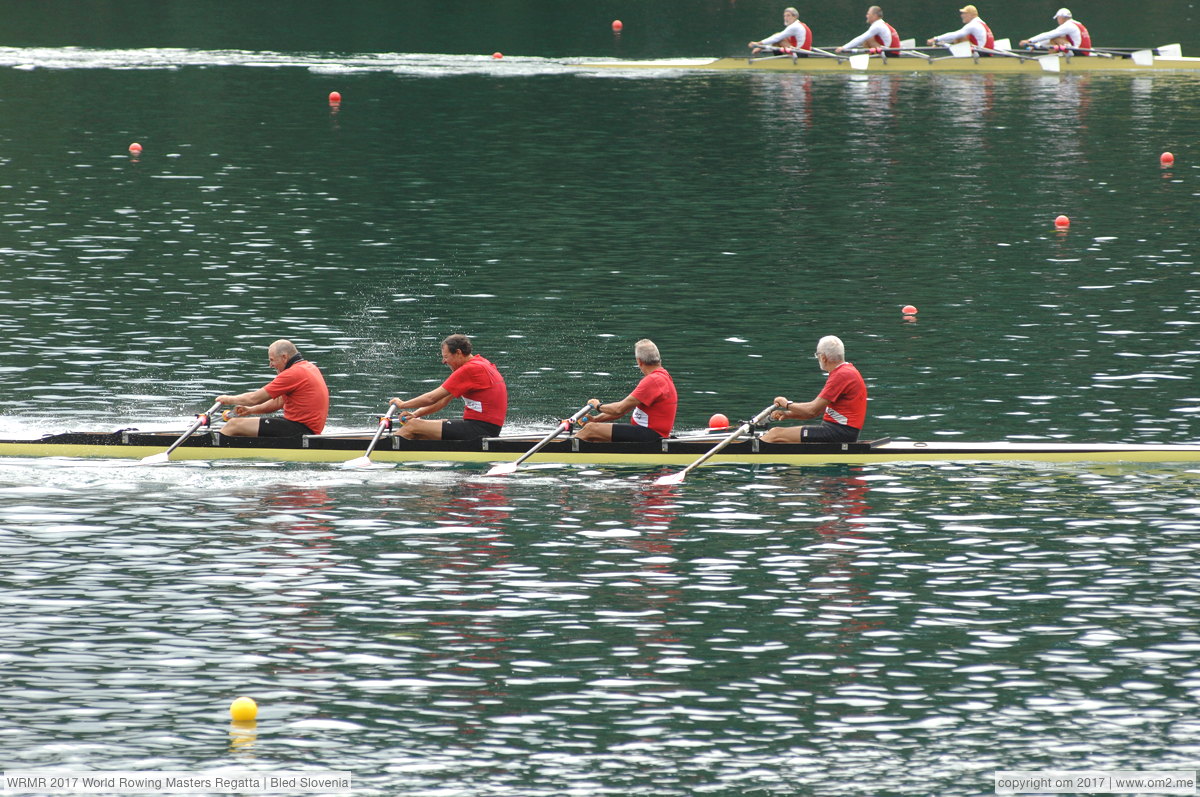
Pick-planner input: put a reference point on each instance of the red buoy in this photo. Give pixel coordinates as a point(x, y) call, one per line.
point(1062, 222)
point(618, 25)
point(135, 148)
point(718, 421)
point(497, 55)
point(1166, 159)
point(335, 97)
point(909, 309)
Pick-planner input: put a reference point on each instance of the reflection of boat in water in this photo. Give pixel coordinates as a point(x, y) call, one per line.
point(210, 445)
point(1162, 59)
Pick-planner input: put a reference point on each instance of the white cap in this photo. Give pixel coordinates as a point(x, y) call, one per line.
point(1062, 12)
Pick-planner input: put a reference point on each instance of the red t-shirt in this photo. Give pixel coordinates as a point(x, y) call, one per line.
point(657, 402)
point(305, 396)
point(846, 393)
point(482, 390)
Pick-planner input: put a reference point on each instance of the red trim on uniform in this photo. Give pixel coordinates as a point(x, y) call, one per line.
point(846, 393)
point(478, 382)
point(657, 402)
point(305, 396)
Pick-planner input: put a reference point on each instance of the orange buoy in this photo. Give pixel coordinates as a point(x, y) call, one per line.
point(135, 148)
point(497, 55)
point(617, 25)
point(1166, 159)
point(909, 309)
point(1062, 221)
point(718, 421)
point(335, 97)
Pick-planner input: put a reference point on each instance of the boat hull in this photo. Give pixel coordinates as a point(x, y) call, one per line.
point(989, 65)
point(676, 451)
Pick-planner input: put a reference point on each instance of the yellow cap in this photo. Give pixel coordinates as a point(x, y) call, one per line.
point(968, 10)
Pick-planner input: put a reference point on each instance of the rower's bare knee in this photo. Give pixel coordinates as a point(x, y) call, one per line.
point(595, 433)
point(420, 429)
point(783, 434)
point(240, 427)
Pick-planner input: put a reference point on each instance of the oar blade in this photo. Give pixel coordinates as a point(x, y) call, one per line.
point(156, 459)
point(1143, 57)
point(358, 463)
point(1050, 63)
point(671, 478)
point(503, 469)
point(961, 50)
point(1002, 44)
point(860, 62)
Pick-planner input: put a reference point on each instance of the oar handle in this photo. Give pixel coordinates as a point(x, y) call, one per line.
point(202, 419)
point(741, 430)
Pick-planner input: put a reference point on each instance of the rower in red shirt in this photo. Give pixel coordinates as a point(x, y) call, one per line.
point(654, 402)
point(299, 390)
point(472, 378)
point(842, 404)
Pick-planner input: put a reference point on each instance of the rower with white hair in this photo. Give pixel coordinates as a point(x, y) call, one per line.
point(654, 402)
point(841, 404)
point(879, 35)
point(1069, 33)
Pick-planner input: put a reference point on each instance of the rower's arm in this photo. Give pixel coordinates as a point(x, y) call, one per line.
point(801, 410)
point(431, 402)
point(615, 410)
point(249, 399)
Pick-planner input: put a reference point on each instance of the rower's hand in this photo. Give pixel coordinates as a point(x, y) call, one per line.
point(404, 416)
point(838, 50)
point(931, 42)
point(594, 403)
point(782, 403)
point(1023, 43)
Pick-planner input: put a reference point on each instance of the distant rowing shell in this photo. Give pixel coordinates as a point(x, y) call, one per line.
point(1033, 65)
point(210, 445)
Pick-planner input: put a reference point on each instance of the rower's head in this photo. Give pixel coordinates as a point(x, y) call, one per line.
point(790, 15)
point(647, 353)
point(968, 12)
point(279, 352)
point(874, 14)
point(1062, 15)
point(830, 352)
point(456, 350)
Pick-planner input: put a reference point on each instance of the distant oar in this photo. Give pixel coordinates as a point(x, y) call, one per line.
point(201, 420)
point(505, 468)
point(676, 478)
point(365, 460)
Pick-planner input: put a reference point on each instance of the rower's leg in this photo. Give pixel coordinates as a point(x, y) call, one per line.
point(595, 433)
point(421, 429)
point(240, 427)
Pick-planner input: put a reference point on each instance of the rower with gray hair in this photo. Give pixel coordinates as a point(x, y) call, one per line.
point(653, 402)
point(841, 404)
point(795, 36)
point(299, 390)
point(1069, 33)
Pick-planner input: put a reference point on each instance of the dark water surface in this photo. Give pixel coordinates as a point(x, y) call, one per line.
point(870, 630)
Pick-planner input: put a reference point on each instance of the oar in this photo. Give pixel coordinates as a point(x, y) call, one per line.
point(201, 420)
point(676, 478)
point(505, 468)
point(365, 460)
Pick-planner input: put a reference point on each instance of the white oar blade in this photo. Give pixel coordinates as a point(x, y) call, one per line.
point(908, 44)
point(358, 463)
point(1170, 51)
point(156, 459)
point(503, 469)
point(860, 62)
point(1050, 63)
point(1143, 57)
point(672, 478)
point(1002, 44)
point(961, 49)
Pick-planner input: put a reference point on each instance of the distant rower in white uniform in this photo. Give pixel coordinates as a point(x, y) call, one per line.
point(796, 35)
point(974, 30)
point(879, 34)
point(1069, 33)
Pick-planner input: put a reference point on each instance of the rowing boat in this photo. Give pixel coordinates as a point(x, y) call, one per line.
point(1015, 64)
point(208, 444)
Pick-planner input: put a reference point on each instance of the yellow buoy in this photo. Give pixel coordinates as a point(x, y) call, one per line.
point(244, 709)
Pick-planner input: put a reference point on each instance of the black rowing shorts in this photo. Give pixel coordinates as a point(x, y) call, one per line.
point(632, 433)
point(464, 429)
point(826, 432)
point(281, 427)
